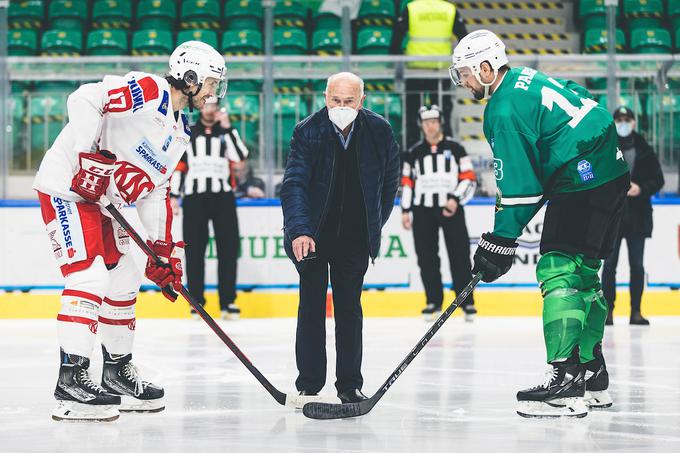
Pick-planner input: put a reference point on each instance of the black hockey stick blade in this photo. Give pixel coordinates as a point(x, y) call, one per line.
point(326, 411)
point(279, 396)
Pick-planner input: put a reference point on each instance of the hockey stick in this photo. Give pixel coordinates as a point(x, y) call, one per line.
point(326, 411)
point(280, 397)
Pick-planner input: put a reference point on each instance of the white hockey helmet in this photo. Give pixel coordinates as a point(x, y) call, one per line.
point(194, 61)
point(474, 49)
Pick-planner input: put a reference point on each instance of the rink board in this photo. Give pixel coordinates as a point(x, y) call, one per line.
point(271, 281)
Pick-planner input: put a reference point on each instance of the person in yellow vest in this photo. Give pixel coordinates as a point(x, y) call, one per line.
point(431, 27)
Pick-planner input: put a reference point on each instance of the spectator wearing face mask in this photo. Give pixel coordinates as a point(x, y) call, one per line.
point(646, 180)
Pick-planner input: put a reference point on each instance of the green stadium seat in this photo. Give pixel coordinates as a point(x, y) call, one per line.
point(290, 41)
point(112, 14)
point(674, 13)
point(650, 41)
point(47, 114)
point(592, 14)
point(378, 13)
point(325, 20)
point(243, 42)
point(107, 42)
point(403, 4)
point(200, 14)
point(288, 111)
point(643, 13)
point(244, 115)
point(379, 85)
point(206, 36)
point(25, 14)
point(289, 13)
point(245, 86)
point(152, 42)
point(327, 42)
point(243, 14)
point(61, 42)
point(22, 42)
point(374, 41)
point(156, 15)
point(18, 114)
point(67, 14)
point(596, 41)
point(389, 106)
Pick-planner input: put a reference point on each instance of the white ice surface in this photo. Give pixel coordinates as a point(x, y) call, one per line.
point(457, 396)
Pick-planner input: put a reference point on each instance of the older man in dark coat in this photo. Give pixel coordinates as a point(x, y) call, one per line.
point(337, 193)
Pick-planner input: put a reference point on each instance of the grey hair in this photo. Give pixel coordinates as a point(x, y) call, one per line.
point(347, 76)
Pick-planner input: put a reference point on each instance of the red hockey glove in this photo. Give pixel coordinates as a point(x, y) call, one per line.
point(170, 271)
point(92, 179)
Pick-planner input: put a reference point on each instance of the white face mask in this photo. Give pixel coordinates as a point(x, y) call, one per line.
point(624, 128)
point(342, 116)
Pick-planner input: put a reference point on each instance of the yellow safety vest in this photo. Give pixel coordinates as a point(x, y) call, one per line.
point(430, 30)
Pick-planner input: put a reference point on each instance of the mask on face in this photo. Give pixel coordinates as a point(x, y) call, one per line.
point(624, 129)
point(342, 116)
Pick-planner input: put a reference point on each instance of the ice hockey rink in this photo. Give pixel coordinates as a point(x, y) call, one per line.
point(458, 394)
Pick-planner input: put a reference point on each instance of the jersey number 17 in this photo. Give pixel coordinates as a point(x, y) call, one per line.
point(551, 97)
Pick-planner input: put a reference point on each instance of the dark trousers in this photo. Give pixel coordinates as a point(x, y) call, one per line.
point(348, 262)
point(199, 209)
point(636, 251)
point(426, 224)
point(420, 92)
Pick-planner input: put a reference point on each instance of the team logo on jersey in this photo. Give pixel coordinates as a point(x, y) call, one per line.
point(132, 182)
point(64, 210)
point(498, 169)
point(146, 152)
point(585, 170)
point(163, 108)
point(185, 121)
point(166, 145)
point(132, 96)
point(447, 154)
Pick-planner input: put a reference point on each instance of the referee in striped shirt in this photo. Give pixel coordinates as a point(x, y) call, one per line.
point(202, 179)
point(437, 180)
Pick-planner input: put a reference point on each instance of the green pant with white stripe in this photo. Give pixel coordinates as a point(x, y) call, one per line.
point(574, 309)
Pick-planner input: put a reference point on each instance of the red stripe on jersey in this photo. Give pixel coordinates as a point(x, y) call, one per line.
point(82, 294)
point(149, 88)
point(46, 208)
point(118, 322)
point(406, 181)
point(76, 319)
point(168, 217)
point(467, 175)
point(120, 303)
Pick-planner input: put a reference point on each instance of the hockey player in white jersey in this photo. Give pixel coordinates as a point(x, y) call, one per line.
point(124, 137)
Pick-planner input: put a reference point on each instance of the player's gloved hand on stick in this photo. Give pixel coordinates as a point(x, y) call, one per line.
point(494, 256)
point(169, 272)
point(92, 179)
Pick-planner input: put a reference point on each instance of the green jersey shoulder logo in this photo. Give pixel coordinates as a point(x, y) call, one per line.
point(498, 169)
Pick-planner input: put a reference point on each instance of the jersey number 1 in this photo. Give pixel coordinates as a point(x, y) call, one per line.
point(550, 97)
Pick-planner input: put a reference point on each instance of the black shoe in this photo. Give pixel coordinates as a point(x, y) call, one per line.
point(636, 319)
point(430, 311)
point(307, 393)
point(470, 312)
point(231, 312)
point(610, 319)
point(351, 396)
point(120, 377)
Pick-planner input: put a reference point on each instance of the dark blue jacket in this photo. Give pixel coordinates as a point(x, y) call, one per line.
point(306, 188)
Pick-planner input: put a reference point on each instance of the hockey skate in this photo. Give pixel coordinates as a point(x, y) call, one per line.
point(560, 395)
point(120, 377)
point(470, 312)
point(431, 311)
point(597, 381)
point(78, 397)
point(231, 312)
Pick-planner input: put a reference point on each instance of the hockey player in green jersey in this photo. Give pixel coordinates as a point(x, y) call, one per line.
point(551, 143)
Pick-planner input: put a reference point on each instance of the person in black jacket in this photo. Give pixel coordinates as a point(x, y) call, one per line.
point(646, 180)
point(338, 191)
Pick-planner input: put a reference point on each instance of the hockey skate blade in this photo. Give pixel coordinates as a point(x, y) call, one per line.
point(598, 400)
point(72, 411)
point(299, 401)
point(563, 407)
point(132, 404)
